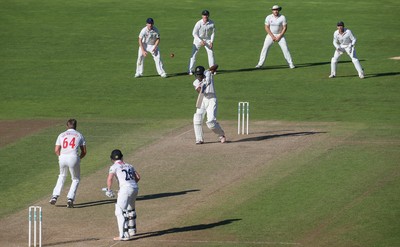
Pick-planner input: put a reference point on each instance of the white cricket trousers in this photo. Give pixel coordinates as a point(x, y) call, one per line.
point(156, 56)
point(209, 107)
point(126, 201)
point(352, 54)
point(268, 42)
point(195, 50)
point(71, 163)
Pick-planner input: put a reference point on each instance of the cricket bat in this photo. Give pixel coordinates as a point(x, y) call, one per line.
point(203, 88)
point(200, 96)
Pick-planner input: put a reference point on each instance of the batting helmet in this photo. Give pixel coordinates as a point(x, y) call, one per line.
point(116, 154)
point(199, 70)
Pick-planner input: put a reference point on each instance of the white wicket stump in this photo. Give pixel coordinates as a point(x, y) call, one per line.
point(35, 219)
point(243, 114)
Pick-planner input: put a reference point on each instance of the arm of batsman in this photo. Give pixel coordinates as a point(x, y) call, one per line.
point(213, 68)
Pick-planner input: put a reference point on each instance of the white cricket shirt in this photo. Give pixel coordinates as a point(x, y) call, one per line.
point(344, 39)
point(208, 80)
point(149, 36)
point(70, 141)
point(275, 23)
point(125, 174)
point(204, 31)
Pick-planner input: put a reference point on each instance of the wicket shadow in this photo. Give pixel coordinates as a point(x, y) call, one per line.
point(139, 198)
point(199, 227)
point(267, 137)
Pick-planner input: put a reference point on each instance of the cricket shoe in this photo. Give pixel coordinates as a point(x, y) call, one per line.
point(332, 76)
point(138, 75)
point(122, 239)
point(361, 74)
point(199, 142)
point(70, 203)
point(190, 73)
point(53, 200)
point(132, 233)
point(292, 66)
point(222, 139)
point(258, 66)
point(163, 75)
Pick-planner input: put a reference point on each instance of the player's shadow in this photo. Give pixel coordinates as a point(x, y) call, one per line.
point(375, 75)
point(139, 198)
point(267, 137)
point(301, 65)
point(198, 227)
point(169, 75)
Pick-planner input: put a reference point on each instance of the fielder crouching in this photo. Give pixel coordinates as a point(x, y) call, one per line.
point(344, 42)
point(127, 178)
point(204, 84)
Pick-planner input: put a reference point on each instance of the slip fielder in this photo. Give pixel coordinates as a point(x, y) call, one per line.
point(275, 26)
point(344, 42)
point(203, 36)
point(149, 39)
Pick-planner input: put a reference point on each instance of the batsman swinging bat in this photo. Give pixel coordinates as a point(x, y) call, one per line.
point(200, 97)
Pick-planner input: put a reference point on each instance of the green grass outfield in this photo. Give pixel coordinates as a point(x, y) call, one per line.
point(62, 59)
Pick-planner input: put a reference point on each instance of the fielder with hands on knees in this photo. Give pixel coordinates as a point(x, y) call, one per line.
point(344, 42)
point(67, 148)
point(203, 34)
point(128, 179)
point(275, 26)
point(149, 39)
point(206, 104)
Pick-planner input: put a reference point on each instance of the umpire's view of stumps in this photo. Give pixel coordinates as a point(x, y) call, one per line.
point(243, 113)
point(35, 216)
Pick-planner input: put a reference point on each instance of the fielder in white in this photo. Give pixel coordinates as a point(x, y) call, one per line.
point(344, 42)
point(67, 148)
point(275, 26)
point(204, 78)
point(203, 34)
point(128, 179)
point(149, 39)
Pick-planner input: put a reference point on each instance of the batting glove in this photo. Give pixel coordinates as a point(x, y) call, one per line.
point(110, 194)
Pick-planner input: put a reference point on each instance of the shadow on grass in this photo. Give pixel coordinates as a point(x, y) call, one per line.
point(222, 71)
point(199, 227)
point(267, 137)
point(372, 75)
point(382, 74)
point(71, 241)
point(301, 65)
point(139, 198)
